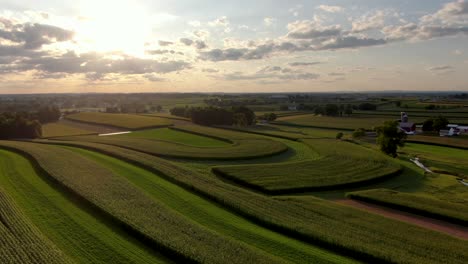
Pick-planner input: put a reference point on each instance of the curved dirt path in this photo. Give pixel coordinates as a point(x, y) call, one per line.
point(426, 222)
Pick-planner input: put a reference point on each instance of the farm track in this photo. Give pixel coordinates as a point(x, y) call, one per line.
point(426, 222)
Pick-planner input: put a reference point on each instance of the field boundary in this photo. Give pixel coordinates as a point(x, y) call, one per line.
point(435, 144)
point(258, 133)
point(408, 209)
point(75, 196)
point(117, 127)
point(282, 123)
point(298, 190)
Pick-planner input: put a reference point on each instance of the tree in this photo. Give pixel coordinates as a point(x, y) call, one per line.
point(440, 123)
point(359, 133)
point(349, 110)
point(269, 117)
point(397, 103)
point(428, 125)
point(339, 135)
point(332, 110)
point(159, 108)
point(249, 114)
point(390, 137)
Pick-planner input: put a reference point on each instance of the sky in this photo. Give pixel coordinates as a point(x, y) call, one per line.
point(52, 46)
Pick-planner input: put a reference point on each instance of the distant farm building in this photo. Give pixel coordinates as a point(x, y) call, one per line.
point(292, 107)
point(406, 126)
point(453, 130)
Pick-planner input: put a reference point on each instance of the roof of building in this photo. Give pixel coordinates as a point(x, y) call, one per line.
point(407, 124)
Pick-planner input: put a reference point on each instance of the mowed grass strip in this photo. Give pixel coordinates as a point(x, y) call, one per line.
point(78, 231)
point(213, 216)
point(345, 123)
point(143, 217)
point(176, 136)
point(423, 205)
point(123, 121)
point(342, 229)
point(59, 130)
point(242, 146)
point(21, 241)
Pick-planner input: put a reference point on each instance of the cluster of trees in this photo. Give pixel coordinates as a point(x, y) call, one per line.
point(46, 114)
point(435, 124)
point(208, 116)
point(14, 125)
point(268, 117)
point(390, 137)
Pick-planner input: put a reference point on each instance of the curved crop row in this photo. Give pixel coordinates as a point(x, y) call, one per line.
point(242, 148)
point(143, 217)
point(79, 231)
point(327, 173)
point(21, 241)
point(417, 204)
point(343, 229)
point(123, 121)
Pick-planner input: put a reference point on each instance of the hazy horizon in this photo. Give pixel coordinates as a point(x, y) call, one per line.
point(243, 47)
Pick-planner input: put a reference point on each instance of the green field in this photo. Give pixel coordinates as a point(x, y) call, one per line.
point(242, 146)
point(123, 121)
point(59, 130)
point(309, 219)
point(167, 134)
point(452, 212)
point(172, 191)
point(75, 229)
point(340, 164)
point(345, 123)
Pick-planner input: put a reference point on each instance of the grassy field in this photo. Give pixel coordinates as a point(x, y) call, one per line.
point(144, 218)
point(20, 240)
point(168, 116)
point(176, 136)
point(76, 230)
point(345, 123)
point(341, 164)
point(244, 146)
point(209, 215)
point(288, 132)
point(124, 121)
point(418, 204)
point(339, 228)
point(59, 130)
point(454, 142)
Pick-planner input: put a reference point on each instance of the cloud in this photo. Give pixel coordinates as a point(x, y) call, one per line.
point(163, 43)
point(219, 22)
point(161, 52)
point(307, 29)
point(295, 10)
point(441, 68)
point(209, 70)
point(274, 75)
point(330, 9)
point(450, 13)
point(336, 74)
point(194, 23)
point(370, 21)
point(34, 36)
point(153, 78)
point(269, 21)
point(199, 44)
point(186, 41)
point(301, 64)
point(352, 42)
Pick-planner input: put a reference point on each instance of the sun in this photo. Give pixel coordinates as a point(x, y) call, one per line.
point(107, 26)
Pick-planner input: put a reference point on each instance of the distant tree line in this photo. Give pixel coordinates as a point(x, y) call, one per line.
point(208, 116)
point(435, 124)
point(134, 108)
point(15, 125)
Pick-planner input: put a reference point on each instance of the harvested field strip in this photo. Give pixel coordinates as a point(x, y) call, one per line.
point(244, 147)
point(59, 130)
point(344, 123)
point(416, 204)
point(20, 240)
point(215, 217)
point(327, 173)
point(73, 227)
point(172, 135)
point(168, 116)
point(344, 230)
point(143, 217)
point(415, 219)
point(124, 121)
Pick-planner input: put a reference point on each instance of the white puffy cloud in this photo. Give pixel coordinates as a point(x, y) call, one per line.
point(330, 8)
point(269, 21)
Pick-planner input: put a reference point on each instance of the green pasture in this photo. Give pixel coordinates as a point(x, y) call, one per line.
point(59, 130)
point(124, 121)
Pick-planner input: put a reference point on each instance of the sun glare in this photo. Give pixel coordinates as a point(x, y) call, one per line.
point(106, 26)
